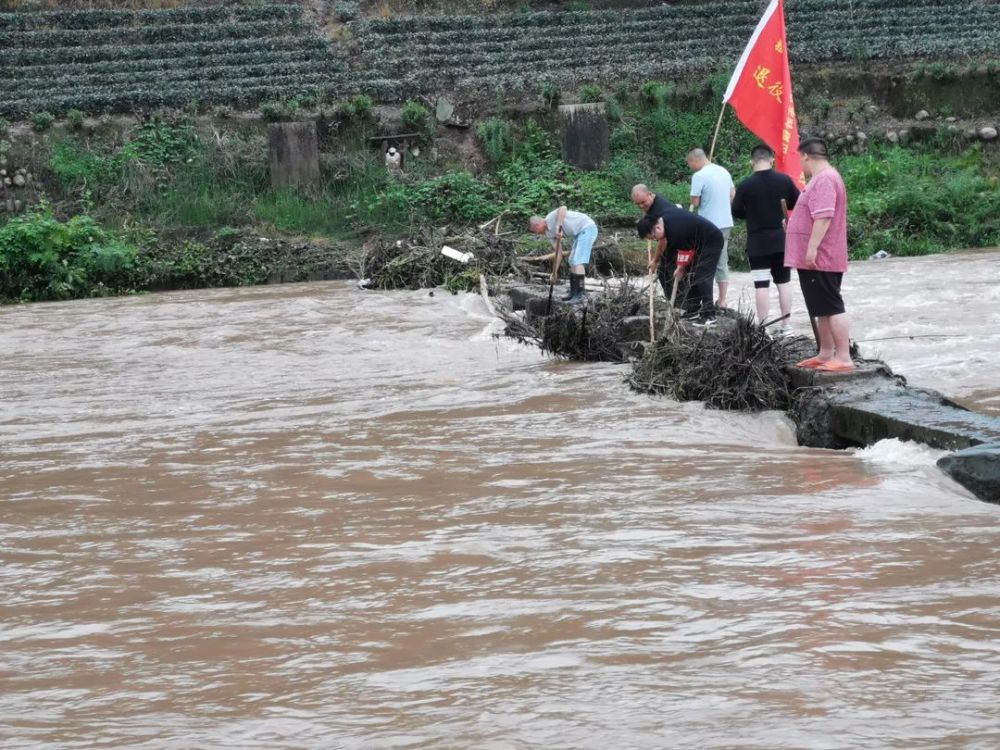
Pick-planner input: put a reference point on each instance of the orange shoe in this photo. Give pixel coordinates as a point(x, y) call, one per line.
point(812, 363)
point(832, 366)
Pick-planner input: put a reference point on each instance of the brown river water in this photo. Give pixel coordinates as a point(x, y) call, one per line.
point(309, 516)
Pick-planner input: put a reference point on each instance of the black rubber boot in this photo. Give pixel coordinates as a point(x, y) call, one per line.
point(574, 288)
point(580, 290)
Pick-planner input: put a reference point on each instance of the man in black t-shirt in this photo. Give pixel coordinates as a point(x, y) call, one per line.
point(679, 234)
point(651, 203)
point(758, 200)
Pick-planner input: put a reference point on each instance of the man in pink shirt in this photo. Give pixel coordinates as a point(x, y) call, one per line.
point(816, 245)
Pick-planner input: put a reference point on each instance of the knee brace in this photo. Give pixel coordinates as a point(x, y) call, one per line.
point(761, 278)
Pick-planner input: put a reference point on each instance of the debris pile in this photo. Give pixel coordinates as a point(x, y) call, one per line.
point(592, 331)
point(737, 365)
point(417, 263)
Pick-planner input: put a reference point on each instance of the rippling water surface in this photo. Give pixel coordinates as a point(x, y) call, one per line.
point(313, 517)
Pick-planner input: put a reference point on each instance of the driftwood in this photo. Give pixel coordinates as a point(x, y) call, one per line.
point(737, 365)
point(416, 262)
point(590, 331)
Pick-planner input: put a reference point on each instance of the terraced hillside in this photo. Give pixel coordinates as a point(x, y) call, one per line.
point(116, 60)
point(241, 55)
point(504, 53)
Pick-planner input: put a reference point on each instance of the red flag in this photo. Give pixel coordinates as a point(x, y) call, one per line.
point(760, 91)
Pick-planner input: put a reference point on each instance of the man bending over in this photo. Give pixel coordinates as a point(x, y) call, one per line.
point(691, 245)
point(583, 231)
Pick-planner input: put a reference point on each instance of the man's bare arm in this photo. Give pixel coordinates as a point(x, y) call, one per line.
point(560, 218)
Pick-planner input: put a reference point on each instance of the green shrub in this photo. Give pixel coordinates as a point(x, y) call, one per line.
point(717, 83)
point(819, 106)
point(615, 111)
point(42, 121)
point(535, 143)
point(416, 117)
point(454, 197)
point(939, 71)
point(654, 93)
point(44, 258)
point(668, 133)
point(537, 185)
point(306, 101)
point(280, 111)
point(496, 137)
point(360, 106)
point(591, 94)
point(158, 142)
point(74, 119)
point(551, 95)
point(624, 138)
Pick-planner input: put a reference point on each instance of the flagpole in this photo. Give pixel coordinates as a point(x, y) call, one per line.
point(715, 137)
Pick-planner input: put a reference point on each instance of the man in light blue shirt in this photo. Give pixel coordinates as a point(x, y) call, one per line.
point(583, 231)
point(712, 192)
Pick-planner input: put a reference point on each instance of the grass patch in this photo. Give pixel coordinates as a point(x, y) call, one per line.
point(287, 211)
point(915, 202)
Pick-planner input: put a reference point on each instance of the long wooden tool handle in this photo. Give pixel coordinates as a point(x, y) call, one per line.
point(557, 261)
point(554, 276)
point(652, 293)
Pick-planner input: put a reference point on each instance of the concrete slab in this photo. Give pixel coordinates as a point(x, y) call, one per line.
point(801, 377)
point(910, 414)
point(977, 469)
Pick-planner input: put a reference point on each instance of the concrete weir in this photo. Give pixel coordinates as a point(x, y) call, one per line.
point(872, 404)
point(856, 409)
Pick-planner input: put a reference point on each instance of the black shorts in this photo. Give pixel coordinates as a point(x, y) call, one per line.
point(760, 265)
point(822, 292)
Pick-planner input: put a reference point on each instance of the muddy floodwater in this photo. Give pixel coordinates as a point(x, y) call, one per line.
point(309, 516)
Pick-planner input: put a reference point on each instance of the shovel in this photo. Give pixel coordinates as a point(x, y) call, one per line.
point(556, 262)
point(652, 293)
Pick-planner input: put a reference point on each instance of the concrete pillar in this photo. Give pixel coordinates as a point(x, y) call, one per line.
point(585, 133)
point(294, 151)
